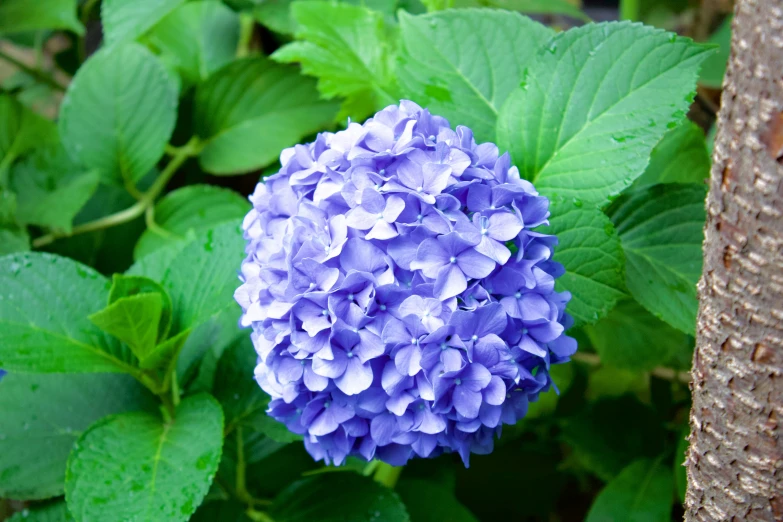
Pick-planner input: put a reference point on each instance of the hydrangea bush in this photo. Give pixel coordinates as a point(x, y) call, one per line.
point(389, 314)
point(418, 214)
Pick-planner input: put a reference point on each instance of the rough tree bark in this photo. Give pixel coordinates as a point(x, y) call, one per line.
point(735, 460)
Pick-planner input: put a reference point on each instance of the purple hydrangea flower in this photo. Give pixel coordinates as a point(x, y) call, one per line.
point(400, 303)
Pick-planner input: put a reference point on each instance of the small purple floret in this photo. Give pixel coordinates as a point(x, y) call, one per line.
point(401, 304)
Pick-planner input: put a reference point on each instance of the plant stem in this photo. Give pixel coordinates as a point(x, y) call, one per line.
point(630, 10)
point(174, 388)
point(38, 75)
point(129, 214)
point(246, 25)
point(669, 374)
point(387, 474)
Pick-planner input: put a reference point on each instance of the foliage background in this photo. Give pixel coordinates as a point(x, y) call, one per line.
point(247, 79)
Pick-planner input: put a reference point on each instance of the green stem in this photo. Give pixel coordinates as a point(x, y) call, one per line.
point(149, 219)
point(630, 10)
point(174, 388)
point(38, 75)
point(387, 474)
point(246, 25)
point(129, 214)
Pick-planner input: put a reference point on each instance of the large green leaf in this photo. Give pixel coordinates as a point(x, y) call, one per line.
point(123, 20)
point(248, 111)
point(44, 304)
point(590, 251)
point(139, 468)
point(349, 49)
point(154, 265)
point(42, 417)
point(190, 210)
point(119, 112)
point(133, 320)
point(431, 502)
point(715, 66)
point(17, 16)
point(51, 189)
point(197, 38)
point(57, 512)
point(202, 277)
point(463, 64)
point(680, 157)
point(20, 131)
point(594, 104)
point(642, 492)
point(661, 229)
point(356, 498)
point(631, 338)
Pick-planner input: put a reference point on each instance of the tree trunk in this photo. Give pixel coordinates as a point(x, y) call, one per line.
point(735, 459)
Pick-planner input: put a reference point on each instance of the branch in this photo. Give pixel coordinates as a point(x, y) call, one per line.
point(661, 372)
point(35, 73)
point(129, 214)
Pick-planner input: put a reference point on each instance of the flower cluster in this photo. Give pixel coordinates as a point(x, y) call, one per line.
point(400, 303)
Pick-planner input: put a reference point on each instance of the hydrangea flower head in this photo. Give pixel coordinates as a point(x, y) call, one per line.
point(401, 304)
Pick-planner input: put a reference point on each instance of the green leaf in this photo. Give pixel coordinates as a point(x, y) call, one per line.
point(137, 467)
point(51, 189)
point(250, 98)
point(661, 229)
point(13, 236)
point(126, 286)
point(612, 433)
point(631, 338)
point(680, 157)
point(715, 66)
point(356, 499)
point(20, 131)
point(44, 304)
point(642, 492)
point(119, 112)
point(13, 239)
point(43, 415)
point(133, 320)
point(17, 16)
point(123, 21)
point(609, 381)
point(212, 260)
point(165, 353)
point(243, 400)
point(190, 210)
point(462, 64)
point(595, 103)
point(197, 38)
point(590, 251)
point(154, 265)
point(348, 48)
point(562, 7)
point(275, 14)
point(197, 364)
point(430, 502)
